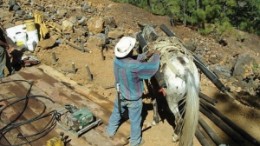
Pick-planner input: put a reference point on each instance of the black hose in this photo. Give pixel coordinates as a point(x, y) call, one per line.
point(27, 121)
point(210, 75)
point(25, 105)
point(50, 125)
point(13, 124)
point(166, 30)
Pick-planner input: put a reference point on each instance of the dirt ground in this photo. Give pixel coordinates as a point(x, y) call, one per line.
point(128, 16)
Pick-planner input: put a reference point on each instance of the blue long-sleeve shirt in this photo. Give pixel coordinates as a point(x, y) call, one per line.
point(129, 73)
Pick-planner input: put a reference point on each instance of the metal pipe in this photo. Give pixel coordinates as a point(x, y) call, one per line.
point(210, 75)
point(208, 99)
point(167, 31)
point(201, 138)
point(90, 126)
point(217, 140)
point(241, 131)
point(238, 139)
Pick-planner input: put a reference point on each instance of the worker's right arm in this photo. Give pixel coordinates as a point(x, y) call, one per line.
point(146, 70)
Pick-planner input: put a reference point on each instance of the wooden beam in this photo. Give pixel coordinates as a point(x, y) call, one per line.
point(65, 93)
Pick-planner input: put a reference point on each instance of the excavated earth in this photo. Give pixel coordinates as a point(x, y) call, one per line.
point(242, 51)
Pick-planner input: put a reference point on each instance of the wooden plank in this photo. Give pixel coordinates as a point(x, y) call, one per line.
point(89, 95)
point(91, 136)
point(33, 127)
point(63, 95)
point(4, 141)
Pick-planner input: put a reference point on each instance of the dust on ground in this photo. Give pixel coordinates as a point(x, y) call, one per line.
point(129, 16)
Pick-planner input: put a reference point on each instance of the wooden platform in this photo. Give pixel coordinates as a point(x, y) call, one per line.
point(51, 83)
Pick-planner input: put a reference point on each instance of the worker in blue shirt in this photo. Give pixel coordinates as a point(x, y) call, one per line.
point(129, 73)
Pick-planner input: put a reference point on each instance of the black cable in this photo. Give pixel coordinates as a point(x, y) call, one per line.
point(27, 121)
point(25, 105)
point(50, 125)
point(13, 124)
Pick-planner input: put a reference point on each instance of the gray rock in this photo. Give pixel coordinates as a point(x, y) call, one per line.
point(149, 33)
point(243, 61)
point(61, 13)
point(110, 21)
point(15, 7)
point(222, 71)
point(95, 25)
point(114, 34)
point(97, 41)
point(190, 45)
point(19, 13)
point(73, 19)
point(67, 26)
point(82, 20)
point(85, 7)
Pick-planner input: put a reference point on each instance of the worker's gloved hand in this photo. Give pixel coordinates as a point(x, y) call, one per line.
point(157, 52)
point(163, 91)
point(151, 52)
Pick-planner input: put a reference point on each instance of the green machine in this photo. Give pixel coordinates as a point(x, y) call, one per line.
point(77, 120)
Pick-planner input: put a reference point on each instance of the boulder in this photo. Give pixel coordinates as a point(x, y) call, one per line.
point(110, 21)
point(67, 26)
point(243, 66)
point(61, 13)
point(115, 34)
point(96, 41)
point(95, 25)
point(73, 19)
point(47, 43)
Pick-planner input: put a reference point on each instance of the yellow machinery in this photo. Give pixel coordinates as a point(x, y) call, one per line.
point(55, 141)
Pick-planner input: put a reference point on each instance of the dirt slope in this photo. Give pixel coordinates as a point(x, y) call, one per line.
point(127, 17)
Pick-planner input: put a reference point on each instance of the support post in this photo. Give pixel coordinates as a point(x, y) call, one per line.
point(74, 70)
point(54, 58)
point(90, 76)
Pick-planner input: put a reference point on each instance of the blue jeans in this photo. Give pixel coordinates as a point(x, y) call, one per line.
point(2, 61)
point(135, 117)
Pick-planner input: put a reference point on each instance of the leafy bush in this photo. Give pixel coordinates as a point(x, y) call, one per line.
point(224, 14)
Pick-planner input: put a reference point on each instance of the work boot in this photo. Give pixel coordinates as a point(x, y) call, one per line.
point(117, 141)
point(142, 143)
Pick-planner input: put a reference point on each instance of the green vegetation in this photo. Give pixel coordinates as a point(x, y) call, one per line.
point(209, 16)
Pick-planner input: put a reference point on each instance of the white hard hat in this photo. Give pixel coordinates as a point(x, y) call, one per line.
point(124, 46)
